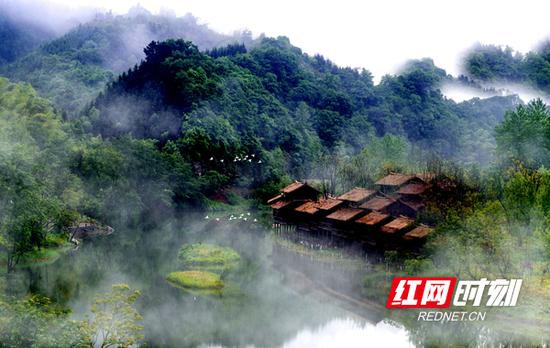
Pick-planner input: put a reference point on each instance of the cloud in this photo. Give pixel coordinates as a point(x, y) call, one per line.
point(377, 35)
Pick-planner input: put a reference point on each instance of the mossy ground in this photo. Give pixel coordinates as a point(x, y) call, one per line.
point(43, 255)
point(55, 245)
point(203, 265)
point(208, 257)
point(197, 282)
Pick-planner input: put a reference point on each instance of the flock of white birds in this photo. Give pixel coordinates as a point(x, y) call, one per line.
point(245, 216)
point(242, 217)
point(245, 158)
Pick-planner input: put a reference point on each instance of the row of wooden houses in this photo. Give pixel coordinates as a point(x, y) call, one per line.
point(385, 216)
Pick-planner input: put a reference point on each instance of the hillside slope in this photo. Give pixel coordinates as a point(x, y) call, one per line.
point(273, 96)
point(73, 68)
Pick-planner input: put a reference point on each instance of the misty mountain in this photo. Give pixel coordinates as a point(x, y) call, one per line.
point(264, 95)
point(494, 64)
point(27, 24)
point(73, 68)
point(274, 96)
point(19, 38)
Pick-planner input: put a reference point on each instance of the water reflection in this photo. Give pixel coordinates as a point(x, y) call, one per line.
point(280, 300)
point(350, 333)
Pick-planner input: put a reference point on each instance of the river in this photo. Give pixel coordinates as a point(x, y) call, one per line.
point(273, 305)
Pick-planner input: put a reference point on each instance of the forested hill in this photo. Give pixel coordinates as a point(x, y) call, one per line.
point(489, 63)
point(273, 96)
point(192, 127)
point(73, 68)
point(19, 38)
point(198, 86)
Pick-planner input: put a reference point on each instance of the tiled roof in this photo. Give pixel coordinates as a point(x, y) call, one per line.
point(394, 179)
point(377, 203)
point(275, 199)
point(413, 189)
point(293, 187)
point(281, 204)
point(418, 233)
point(357, 195)
point(329, 203)
point(396, 225)
point(324, 204)
point(372, 218)
point(345, 214)
point(310, 207)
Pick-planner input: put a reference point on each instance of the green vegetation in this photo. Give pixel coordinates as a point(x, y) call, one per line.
point(54, 246)
point(524, 135)
point(43, 255)
point(19, 37)
point(73, 69)
point(495, 226)
point(33, 176)
point(210, 123)
point(204, 265)
point(497, 64)
point(115, 321)
point(208, 257)
point(322, 105)
point(205, 283)
point(37, 322)
point(49, 177)
point(212, 111)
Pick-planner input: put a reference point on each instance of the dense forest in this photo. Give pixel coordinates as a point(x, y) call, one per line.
point(70, 70)
point(307, 104)
point(135, 121)
point(489, 63)
point(19, 38)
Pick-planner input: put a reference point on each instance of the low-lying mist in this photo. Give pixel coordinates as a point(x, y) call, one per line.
point(460, 93)
point(261, 310)
point(50, 16)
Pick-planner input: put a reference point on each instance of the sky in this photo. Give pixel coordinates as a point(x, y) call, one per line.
point(377, 35)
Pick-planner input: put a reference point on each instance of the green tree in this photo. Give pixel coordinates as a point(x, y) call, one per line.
point(37, 322)
point(115, 321)
point(524, 134)
point(29, 216)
